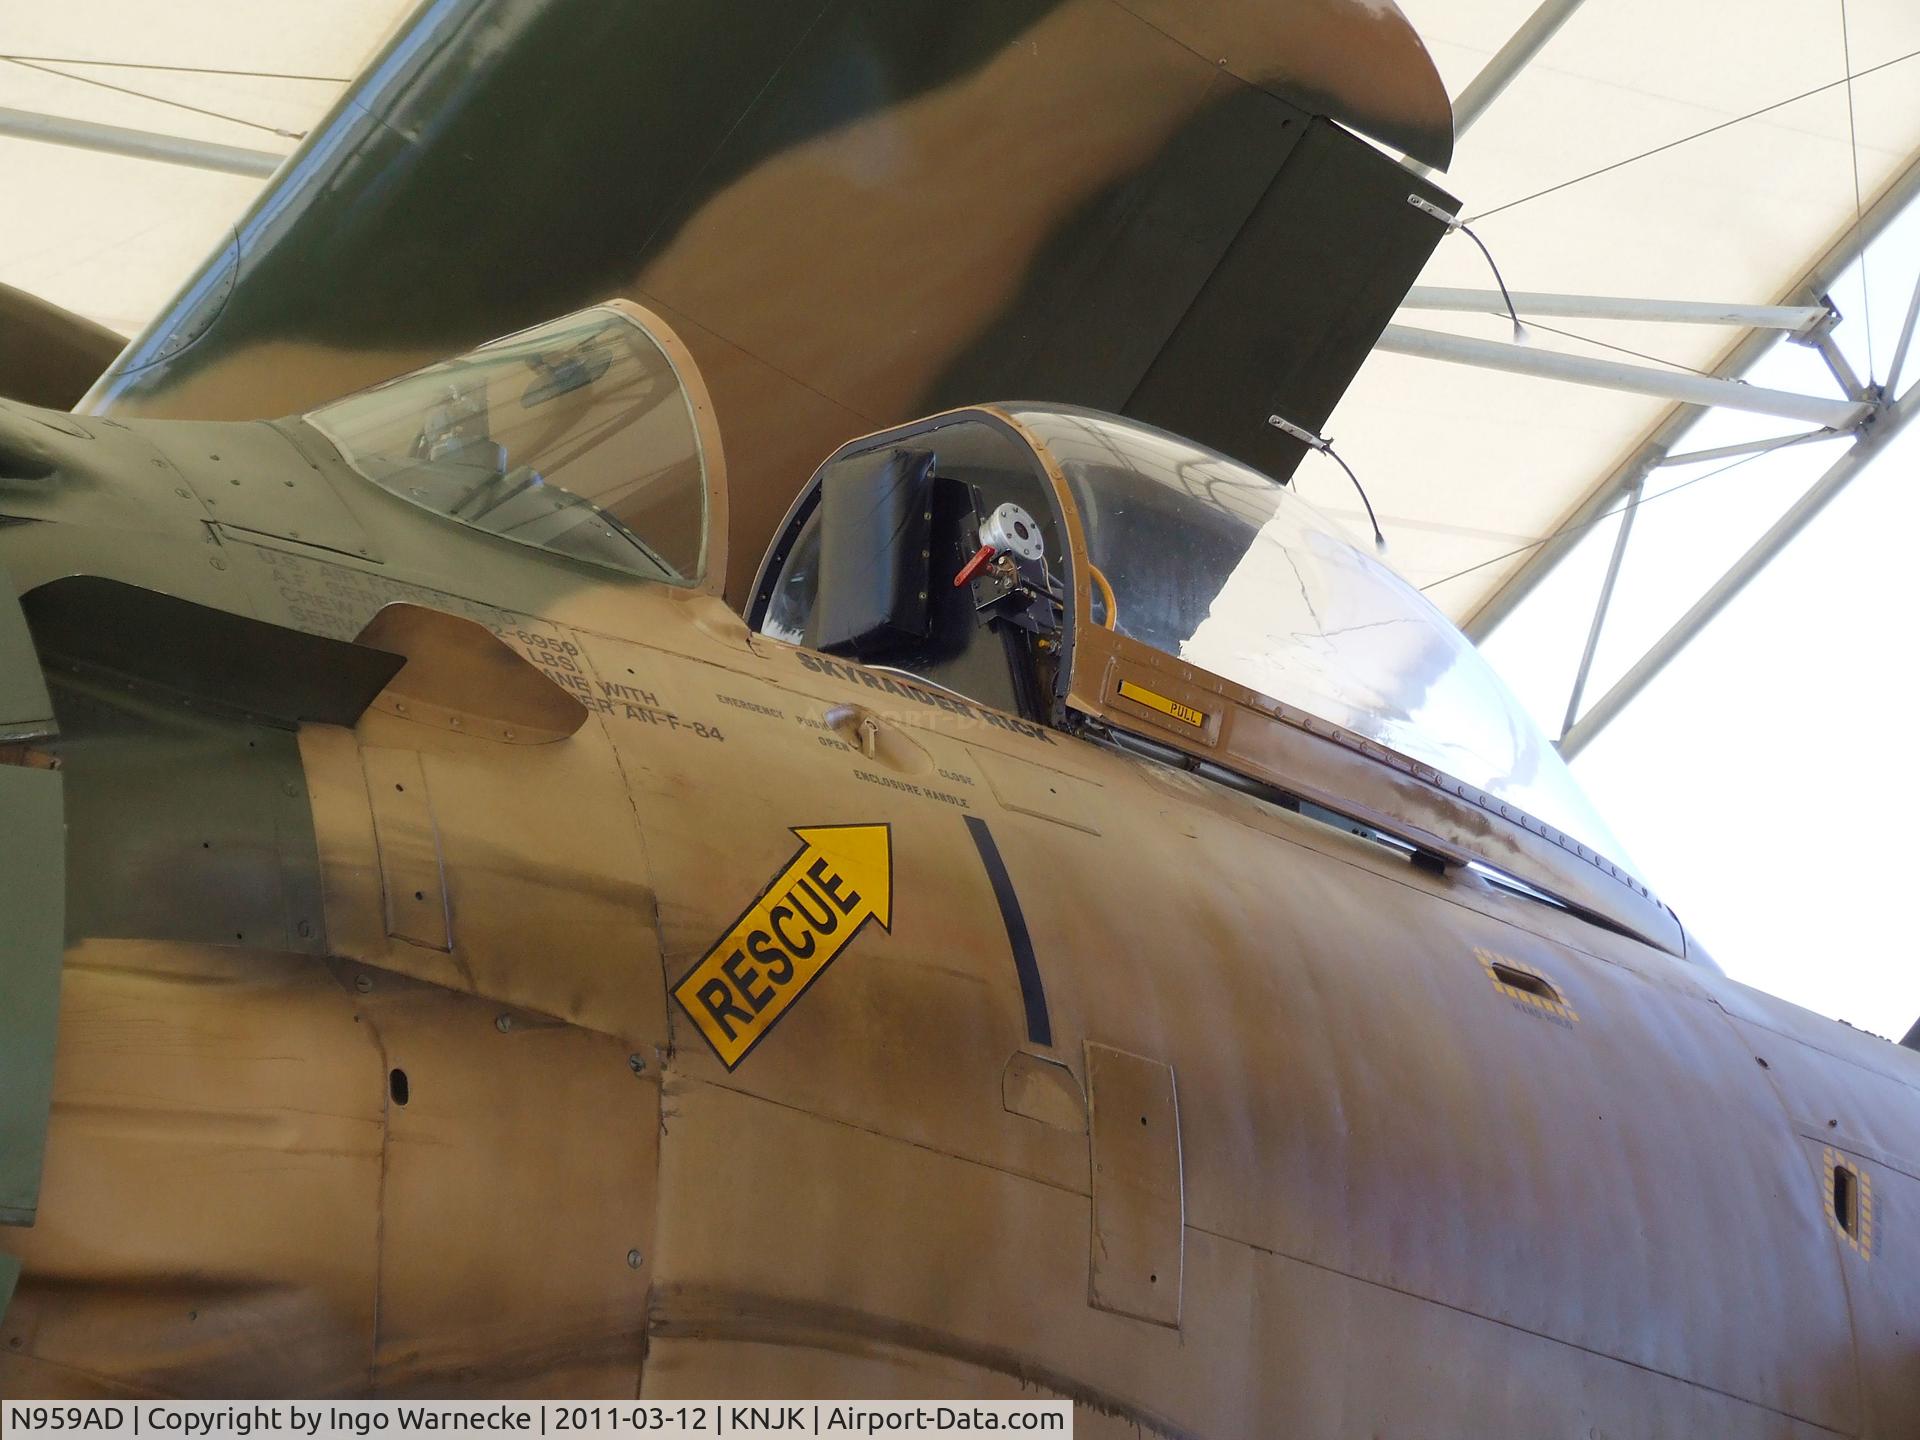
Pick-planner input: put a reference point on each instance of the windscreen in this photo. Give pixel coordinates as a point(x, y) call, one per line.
point(1215, 563)
point(577, 436)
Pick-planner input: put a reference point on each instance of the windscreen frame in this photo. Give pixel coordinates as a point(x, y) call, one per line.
point(1117, 681)
point(691, 390)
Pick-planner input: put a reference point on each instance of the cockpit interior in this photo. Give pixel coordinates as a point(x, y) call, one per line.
point(1071, 568)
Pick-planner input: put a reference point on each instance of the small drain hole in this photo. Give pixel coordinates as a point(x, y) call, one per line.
point(397, 1086)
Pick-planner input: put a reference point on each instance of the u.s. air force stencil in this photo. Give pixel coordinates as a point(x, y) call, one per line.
point(840, 878)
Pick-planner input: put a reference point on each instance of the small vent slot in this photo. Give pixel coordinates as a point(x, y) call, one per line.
point(1527, 988)
point(1846, 1200)
point(1527, 984)
point(1849, 1202)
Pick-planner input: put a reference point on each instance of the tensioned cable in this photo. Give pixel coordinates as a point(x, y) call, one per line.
point(1535, 324)
point(1520, 330)
point(1634, 504)
point(1853, 143)
point(179, 69)
point(156, 99)
point(1697, 135)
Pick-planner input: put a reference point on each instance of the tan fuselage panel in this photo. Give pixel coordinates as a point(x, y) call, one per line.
point(1341, 1114)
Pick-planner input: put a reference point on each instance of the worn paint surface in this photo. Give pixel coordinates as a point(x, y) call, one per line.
point(32, 907)
point(1140, 1090)
point(854, 212)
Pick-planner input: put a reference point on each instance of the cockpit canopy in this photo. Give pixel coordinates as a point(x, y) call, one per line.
point(589, 436)
point(1192, 578)
point(1076, 569)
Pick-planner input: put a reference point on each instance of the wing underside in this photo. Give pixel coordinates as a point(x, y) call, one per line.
point(855, 213)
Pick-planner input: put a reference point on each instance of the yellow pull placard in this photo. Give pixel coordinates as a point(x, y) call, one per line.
point(840, 878)
point(1153, 700)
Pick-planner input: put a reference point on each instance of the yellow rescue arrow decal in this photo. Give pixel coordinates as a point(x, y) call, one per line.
point(840, 878)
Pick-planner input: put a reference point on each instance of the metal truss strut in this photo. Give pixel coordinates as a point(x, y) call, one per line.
point(1654, 447)
point(1870, 442)
point(1613, 375)
point(1508, 61)
point(139, 144)
point(1798, 319)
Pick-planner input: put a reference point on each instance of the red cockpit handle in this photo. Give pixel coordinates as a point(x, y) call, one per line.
point(974, 566)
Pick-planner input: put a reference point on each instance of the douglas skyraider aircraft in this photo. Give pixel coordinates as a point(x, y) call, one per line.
point(515, 883)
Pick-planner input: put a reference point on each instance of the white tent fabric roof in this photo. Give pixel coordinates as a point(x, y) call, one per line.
point(1464, 465)
point(110, 237)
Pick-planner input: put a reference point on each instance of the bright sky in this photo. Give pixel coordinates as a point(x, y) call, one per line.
point(1762, 782)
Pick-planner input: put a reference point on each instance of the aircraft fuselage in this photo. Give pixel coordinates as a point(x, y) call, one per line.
point(791, 1027)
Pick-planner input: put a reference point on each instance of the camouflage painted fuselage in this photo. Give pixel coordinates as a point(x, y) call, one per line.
point(371, 1073)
